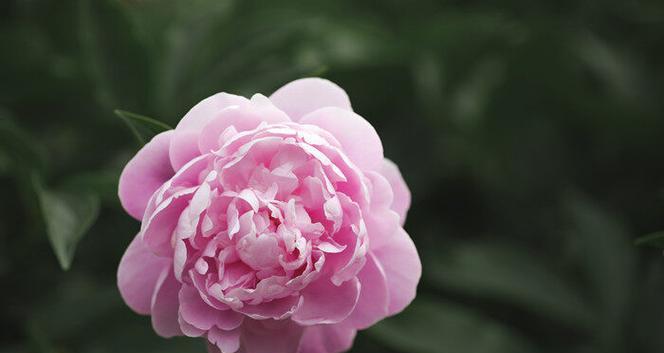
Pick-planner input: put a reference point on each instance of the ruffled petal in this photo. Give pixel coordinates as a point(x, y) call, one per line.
point(358, 138)
point(305, 95)
point(325, 303)
point(402, 267)
point(138, 273)
point(144, 174)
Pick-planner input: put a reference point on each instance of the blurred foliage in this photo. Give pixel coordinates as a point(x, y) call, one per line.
point(529, 132)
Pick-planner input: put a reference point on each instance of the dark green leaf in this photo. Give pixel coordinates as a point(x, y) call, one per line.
point(67, 215)
point(141, 126)
point(655, 240)
point(429, 326)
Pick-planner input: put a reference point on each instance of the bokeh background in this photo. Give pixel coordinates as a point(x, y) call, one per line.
point(530, 132)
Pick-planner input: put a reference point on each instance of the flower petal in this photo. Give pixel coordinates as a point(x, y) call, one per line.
point(325, 303)
point(226, 341)
point(401, 200)
point(402, 267)
point(243, 117)
point(144, 174)
point(358, 138)
point(138, 273)
point(270, 336)
point(205, 110)
point(165, 305)
point(183, 147)
point(305, 95)
point(327, 338)
point(374, 296)
point(199, 314)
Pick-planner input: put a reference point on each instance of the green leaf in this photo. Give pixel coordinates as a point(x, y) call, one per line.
point(510, 274)
point(67, 215)
point(654, 239)
point(143, 127)
point(429, 326)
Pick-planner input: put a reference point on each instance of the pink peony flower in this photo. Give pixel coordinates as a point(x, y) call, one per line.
point(269, 225)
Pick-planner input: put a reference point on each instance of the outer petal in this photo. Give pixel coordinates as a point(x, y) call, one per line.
point(138, 273)
point(303, 96)
point(374, 296)
point(358, 138)
point(164, 309)
point(325, 303)
point(244, 117)
point(327, 338)
point(401, 201)
point(144, 174)
point(207, 109)
point(270, 336)
point(403, 269)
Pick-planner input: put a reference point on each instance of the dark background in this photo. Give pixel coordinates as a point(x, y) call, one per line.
point(531, 134)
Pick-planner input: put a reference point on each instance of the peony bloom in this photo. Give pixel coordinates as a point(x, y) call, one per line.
point(269, 225)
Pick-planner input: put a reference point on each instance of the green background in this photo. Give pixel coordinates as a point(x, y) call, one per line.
point(531, 134)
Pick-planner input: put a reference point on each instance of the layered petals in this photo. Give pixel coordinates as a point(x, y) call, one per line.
point(268, 225)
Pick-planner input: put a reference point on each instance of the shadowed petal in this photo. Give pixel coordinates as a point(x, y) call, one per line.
point(138, 273)
point(327, 338)
point(165, 305)
point(144, 174)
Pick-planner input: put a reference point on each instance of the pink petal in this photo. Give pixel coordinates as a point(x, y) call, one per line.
point(245, 117)
point(327, 338)
point(358, 138)
point(374, 296)
point(305, 95)
point(402, 267)
point(401, 201)
point(325, 303)
point(144, 174)
point(226, 341)
point(138, 273)
point(381, 226)
point(270, 336)
point(157, 230)
point(205, 110)
point(183, 147)
point(199, 314)
point(273, 309)
point(164, 309)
